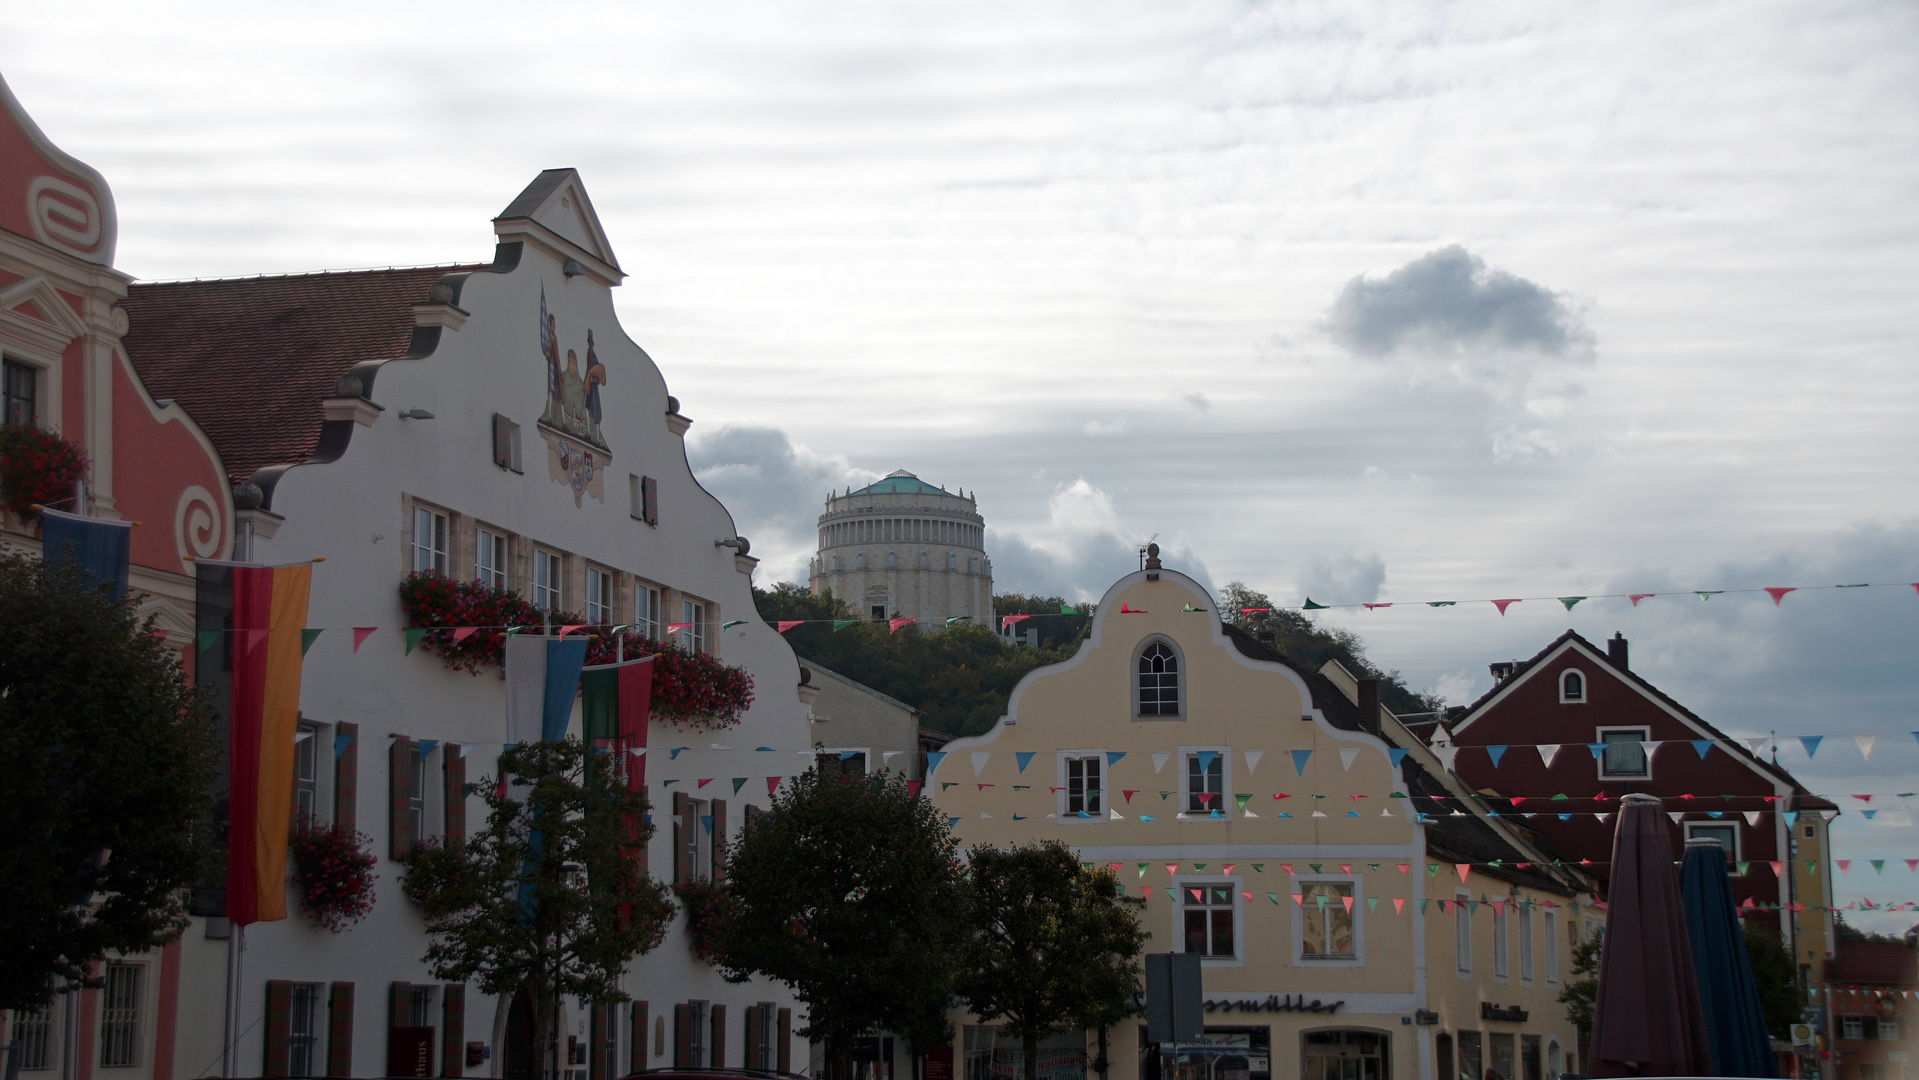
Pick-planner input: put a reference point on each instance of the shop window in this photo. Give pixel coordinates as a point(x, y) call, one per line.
point(1501, 1058)
point(1471, 1058)
point(120, 1017)
point(1344, 1055)
point(1624, 756)
point(1209, 912)
point(1326, 920)
point(873, 1057)
point(1156, 680)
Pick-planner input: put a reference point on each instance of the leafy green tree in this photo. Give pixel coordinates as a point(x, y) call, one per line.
point(848, 890)
point(1582, 989)
point(788, 600)
point(1310, 645)
point(1053, 946)
point(552, 898)
point(1056, 628)
point(108, 761)
point(1776, 978)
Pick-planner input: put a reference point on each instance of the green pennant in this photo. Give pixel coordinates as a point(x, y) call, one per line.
point(944, 784)
point(1172, 894)
point(1707, 594)
point(1372, 904)
point(1399, 795)
point(1472, 907)
point(206, 638)
point(1022, 787)
point(668, 783)
point(1422, 905)
point(738, 783)
point(1241, 800)
point(1569, 601)
point(1441, 603)
point(1198, 866)
point(1142, 868)
point(307, 638)
point(1274, 897)
point(1744, 867)
point(1373, 866)
point(1190, 607)
point(1878, 866)
point(1310, 606)
point(1432, 869)
point(1163, 794)
point(412, 638)
point(841, 624)
point(958, 619)
point(1066, 609)
point(1315, 867)
point(731, 623)
point(1497, 862)
point(1811, 866)
point(1259, 868)
point(1561, 797)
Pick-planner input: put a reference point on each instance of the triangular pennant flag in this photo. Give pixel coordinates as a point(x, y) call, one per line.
point(894, 626)
point(1811, 743)
point(952, 823)
point(1777, 868)
point(462, 633)
point(1346, 756)
point(1752, 818)
point(1125, 610)
point(1446, 754)
point(1399, 905)
point(1189, 608)
point(841, 624)
point(413, 636)
point(1707, 594)
point(204, 639)
point(1676, 816)
point(1502, 605)
point(1241, 800)
point(1843, 864)
point(1865, 743)
point(360, 634)
point(1129, 794)
point(704, 782)
point(1310, 606)
point(1159, 759)
point(307, 638)
point(732, 623)
point(933, 759)
point(1113, 756)
point(1024, 757)
point(1397, 755)
point(1597, 749)
point(1569, 601)
point(1702, 747)
point(1422, 905)
point(1252, 759)
point(774, 782)
point(1442, 603)
point(1779, 594)
point(979, 760)
point(738, 783)
point(1462, 868)
point(1300, 758)
point(1878, 865)
point(787, 624)
point(1206, 759)
point(1495, 752)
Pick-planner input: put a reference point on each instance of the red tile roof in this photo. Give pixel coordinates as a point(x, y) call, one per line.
point(251, 358)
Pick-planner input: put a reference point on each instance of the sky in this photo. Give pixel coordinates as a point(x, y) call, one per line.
point(1367, 302)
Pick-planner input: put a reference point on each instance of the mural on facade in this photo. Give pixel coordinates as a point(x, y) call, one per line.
point(577, 454)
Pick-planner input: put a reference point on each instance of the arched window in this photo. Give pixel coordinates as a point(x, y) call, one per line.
point(1156, 680)
point(1572, 687)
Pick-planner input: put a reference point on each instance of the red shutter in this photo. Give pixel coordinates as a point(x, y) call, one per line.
point(399, 777)
point(782, 1045)
point(595, 1040)
point(455, 793)
point(752, 1027)
point(683, 826)
point(719, 840)
point(636, 1055)
point(682, 1036)
point(279, 1026)
point(453, 1029)
point(718, 1043)
point(339, 1038)
point(398, 998)
point(346, 779)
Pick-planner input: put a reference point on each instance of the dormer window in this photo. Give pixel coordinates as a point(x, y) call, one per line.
point(1572, 687)
point(1156, 680)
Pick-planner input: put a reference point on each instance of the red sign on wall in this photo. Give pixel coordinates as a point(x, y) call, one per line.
point(409, 1051)
point(936, 1063)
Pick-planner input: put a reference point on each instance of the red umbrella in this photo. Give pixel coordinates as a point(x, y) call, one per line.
point(1646, 1017)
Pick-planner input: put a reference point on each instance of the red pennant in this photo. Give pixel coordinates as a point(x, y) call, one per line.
point(1403, 867)
point(1172, 868)
point(1370, 607)
point(1638, 596)
point(1055, 790)
point(360, 634)
point(1129, 794)
point(774, 781)
point(1776, 867)
point(788, 624)
point(1114, 867)
point(1863, 798)
point(1399, 905)
point(462, 633)
point(565, 630)
point(704, 782)
point(1779, 594)
point(1345, 868)
point(1462, 868)
point(1206, 798)
point(1252, 610)
point(912, 789)
point(1008, 620)
point(1502, 605)
point(1146, 891)
point(894, 626)
point(1517, 799)
point(1349, 904)
point(1124, 610)
point(983, 787)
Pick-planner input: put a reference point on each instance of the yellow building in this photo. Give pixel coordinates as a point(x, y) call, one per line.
point(1359, 916)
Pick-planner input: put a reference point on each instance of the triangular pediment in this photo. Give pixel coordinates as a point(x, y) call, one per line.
point(556, 201)
point(32, 313)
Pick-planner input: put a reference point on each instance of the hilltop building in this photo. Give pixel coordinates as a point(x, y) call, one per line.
point(903, 548)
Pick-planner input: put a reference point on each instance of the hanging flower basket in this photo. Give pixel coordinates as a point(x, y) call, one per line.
point(690, 689)
point(37, 467)
point(333, 870)
point(708, 905)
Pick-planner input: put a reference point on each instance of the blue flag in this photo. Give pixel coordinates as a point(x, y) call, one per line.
point(100, 547)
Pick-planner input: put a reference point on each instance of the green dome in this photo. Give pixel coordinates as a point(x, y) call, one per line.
point(900, 482)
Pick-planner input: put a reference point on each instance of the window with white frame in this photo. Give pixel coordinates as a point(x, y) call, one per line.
point(693, 614)
point(1572, 687)
point(303, 1008)
point(1550, 932)
point(429, 540)
point(1525, 928)
point(1326, 920)
point(32, 1032)
point(490, 551)
point(1852, 1027)
point(19, 394)
point(1624, 755)
point(1889, 1028)
point(1083, 789)
point(120, 1017)
point(1462, 933)
point(1156, 680)
point(306, 775)
point(1209, 910)
point(646, 611)
point(1725, 832)
point(1205, 782)
point(599, 597)
point(416, 794)
point(701, 828)
point(549, 575)
point(1501, 934)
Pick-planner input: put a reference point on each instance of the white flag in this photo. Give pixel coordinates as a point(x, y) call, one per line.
point(1252, 760)
point(1865, 745)
point(979, 760)
point(1159, 759)
point(1346, 757)
point(1547, 752)
point(1446, 754)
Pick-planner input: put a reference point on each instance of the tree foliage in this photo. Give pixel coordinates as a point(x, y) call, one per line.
point(1582, 989)
point(552, 897)
point(1052, 946)
point(1310, 645)
point(848, 891)
point(1776, 978)
point(107, 765)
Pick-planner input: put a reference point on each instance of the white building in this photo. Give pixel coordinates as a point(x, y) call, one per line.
point(490, 422)
point(903, 548)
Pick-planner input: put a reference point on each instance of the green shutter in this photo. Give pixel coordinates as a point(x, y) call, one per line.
point(279, 1026)
point(453, 1029)
point(346, 783)
point(339, 1039)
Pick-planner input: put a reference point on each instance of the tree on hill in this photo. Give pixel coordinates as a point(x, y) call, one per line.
point(849, 891)
point(1310, 645)
point(108, 761)
point(1058, 623)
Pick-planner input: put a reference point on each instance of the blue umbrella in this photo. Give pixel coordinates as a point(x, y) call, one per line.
point(1735, 1026)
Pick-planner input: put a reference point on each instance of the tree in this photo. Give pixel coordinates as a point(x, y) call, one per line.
point(1053, 946)
point(848, 891)
point(1582, 989)
point(1778, 982)
point(1310, 645)
point(108, 761)
point(552, 898)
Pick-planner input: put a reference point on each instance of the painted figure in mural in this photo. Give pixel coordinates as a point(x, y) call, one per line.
point(595, 378)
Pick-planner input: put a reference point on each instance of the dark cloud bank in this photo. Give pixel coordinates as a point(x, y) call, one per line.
point(1450, 301)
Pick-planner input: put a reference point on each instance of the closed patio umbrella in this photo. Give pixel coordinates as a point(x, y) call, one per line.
point(1646, 1015)
point(1735, 1025)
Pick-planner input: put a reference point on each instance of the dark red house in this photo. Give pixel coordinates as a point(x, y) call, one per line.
point(1615, 733)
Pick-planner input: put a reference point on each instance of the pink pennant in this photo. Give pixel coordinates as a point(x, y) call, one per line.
point(1779, 594)
point(1253, 610)
point(913, 789)
point(499, 790)
point(1146, 891)
point(1299, 899)
point(1008, 620)
point(1349, 904)
point(565, 630)
point(1777, 868)
point(462, 633)
point(1638, 596)
point(1517, 799)
point(1345, 868)
point(1399, 905)
point(1248, 896)
point(255, 639)
point(672, 627)
point(912, 786)
point(1114, 867)
point(1502, 605)
point(1913, 865)
point(894, 626)
point(1125, 610)
point(1370, 607)
point(704, 782)
point(1915, 586)
point(1286, 866)
point(1403, 867)
point(1197, 895)
point(1228, 868)
point(788, 624)
point(1844, 864)
point(1206, 798)
point(1462, 868)
point(983, 787)
point(360, 634)
point(1172, 868)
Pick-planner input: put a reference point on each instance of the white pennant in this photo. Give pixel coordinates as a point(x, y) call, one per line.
point(464, 748)
point(1346, 757)
point(984, 816)
point(1605, 819)
point(1159, 759)
point(1446, 754)
point(979, 760)
point(1651, 746)
point(887, 757)
point(1114, 815)
point(1675, 815)
point(1601, 818)
point(1252, 760)
point(1547, 752)
point(1752, 818)
point(1755, 744)
point(1865, 745)
point(1249, 813)
point(718, 746)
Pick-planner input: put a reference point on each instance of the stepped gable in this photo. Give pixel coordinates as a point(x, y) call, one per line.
point(251, 359)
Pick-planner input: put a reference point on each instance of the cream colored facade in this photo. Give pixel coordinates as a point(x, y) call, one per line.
point(903, 548)
point(1266, 789)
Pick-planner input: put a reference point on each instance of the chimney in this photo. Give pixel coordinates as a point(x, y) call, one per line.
point(1502, 670)
point(1616, 650)
point(1369, 704)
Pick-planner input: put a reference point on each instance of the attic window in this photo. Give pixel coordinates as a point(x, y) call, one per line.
point(1572, 687)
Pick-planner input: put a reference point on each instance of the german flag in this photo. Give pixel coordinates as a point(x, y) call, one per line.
point(263, 611)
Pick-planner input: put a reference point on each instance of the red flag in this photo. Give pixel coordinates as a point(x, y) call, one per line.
point(789, 624)
point(360, 634)
point(1502, 605)
point(1124, 610)
point(894, 626)
point(774, 781)
point(1779, 594)
point(464, 632)
point(1638, 596)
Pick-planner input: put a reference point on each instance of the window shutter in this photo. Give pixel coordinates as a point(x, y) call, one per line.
point(399, 775)
point(649, 500)
point(683, 826)
point(346, 780)
point(717, 1054)
point(719, 840)
point(752, 1028)
point(636, 1057)
point(596, 1034)
point(279, 1026)
point(682, 1036)
point(783, 1042)
point(339, 1036)
point(455, 767)
point(398, 997)
point(453, 1029)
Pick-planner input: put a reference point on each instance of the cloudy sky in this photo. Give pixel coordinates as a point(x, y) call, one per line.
point(1367, 302)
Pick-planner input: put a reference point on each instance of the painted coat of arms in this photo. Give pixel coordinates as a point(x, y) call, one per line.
point(577, 454)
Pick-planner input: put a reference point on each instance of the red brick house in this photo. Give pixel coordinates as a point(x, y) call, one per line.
point(1615, 733)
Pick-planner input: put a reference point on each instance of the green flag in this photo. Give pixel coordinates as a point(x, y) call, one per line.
point(1441, 603)
point(307, 638)
point(1065, 609)
point(738, 783)
point(207, 638)
point(958, 619)
point(1310, 606)
point(730, 624)
point(1569, 601)
point(841, 624)
point(413, 637)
